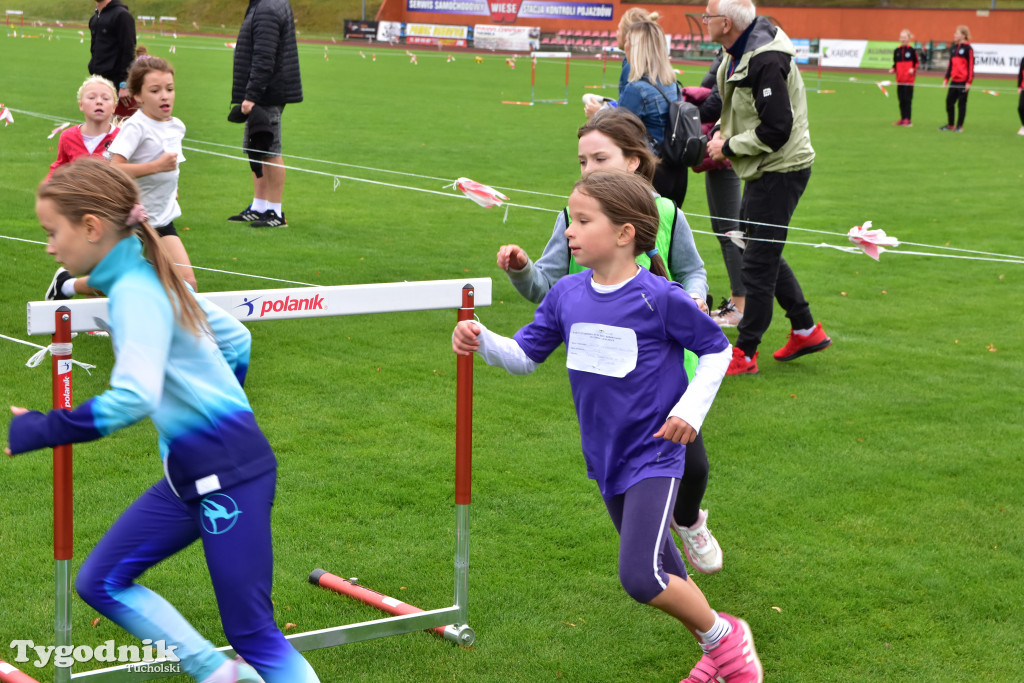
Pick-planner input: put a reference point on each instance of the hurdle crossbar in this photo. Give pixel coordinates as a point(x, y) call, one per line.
point(14, 13)
point(11, 674)
point(81, 315)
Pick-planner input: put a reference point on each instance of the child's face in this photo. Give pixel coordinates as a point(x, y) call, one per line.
point(958, 36)
point(904, 37)
point(593, 239)
point(97, 103)
point(66, 242)
point(156, 97)
point(598, 152)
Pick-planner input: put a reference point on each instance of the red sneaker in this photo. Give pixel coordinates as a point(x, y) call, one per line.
point(800, 346)
point(739, 365)
point(735, 656)
point(901, 122)
point(704, 672)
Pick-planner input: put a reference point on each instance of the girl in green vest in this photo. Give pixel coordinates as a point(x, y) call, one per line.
point(615, 139)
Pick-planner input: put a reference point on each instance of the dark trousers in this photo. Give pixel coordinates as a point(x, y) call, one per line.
point(905, 93)
point(956, 96)
point(768, 205)
point(670, 181)
point(1020, 108)
point(693, 484)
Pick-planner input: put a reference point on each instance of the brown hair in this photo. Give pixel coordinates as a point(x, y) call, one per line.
point(965, 32)
point(90, 186)
point(627, 132)
point(143, 65)
point(627, 198)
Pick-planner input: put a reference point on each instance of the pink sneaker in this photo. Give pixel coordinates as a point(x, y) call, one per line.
point(735, 656)
point(704, 672)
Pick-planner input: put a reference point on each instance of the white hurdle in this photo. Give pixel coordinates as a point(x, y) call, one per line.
point(60, 318)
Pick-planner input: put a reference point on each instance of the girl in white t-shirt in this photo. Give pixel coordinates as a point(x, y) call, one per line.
point(149, 150)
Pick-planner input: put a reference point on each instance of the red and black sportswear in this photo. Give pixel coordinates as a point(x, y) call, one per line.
point(961, 64)
point(905, 62)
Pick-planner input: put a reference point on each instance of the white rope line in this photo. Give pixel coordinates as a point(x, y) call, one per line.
point(57, 349)
point(857, 80)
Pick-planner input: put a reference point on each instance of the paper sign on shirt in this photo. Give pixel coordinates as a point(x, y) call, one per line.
point(601, 349)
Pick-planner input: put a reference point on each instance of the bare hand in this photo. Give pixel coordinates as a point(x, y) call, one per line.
point(715, 146)
point(701, 304)
point(17, 411)
point(168, 161)
point(676, 430)
point(591, 107)
point(247, 106)
point(512, 257)
point(465, 338)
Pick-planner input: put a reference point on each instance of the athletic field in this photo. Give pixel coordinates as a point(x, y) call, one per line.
point(867, 499)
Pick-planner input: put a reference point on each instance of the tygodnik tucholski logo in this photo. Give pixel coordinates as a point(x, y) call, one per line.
point(142, 659)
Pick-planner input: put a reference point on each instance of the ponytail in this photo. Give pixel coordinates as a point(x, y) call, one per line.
point(186, 309)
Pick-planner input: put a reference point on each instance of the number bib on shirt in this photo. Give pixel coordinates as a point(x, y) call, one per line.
point(601, 349)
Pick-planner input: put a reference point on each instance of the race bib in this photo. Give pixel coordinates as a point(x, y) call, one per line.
point(601, 349)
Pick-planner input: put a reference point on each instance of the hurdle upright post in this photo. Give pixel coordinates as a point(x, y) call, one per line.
point(63, 519)
point(463, 461)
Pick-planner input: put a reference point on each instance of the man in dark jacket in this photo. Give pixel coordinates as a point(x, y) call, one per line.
point(266, 76)
point(113, 48)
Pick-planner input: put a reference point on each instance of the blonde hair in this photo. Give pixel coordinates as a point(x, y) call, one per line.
point(627, 198)
point(96, 80)
point(965, 32)
point(88, 186)
point(629, 134)
point(630, 17)
point(648, 53)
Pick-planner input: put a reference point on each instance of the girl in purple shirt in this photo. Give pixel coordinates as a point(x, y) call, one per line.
point(625, 329)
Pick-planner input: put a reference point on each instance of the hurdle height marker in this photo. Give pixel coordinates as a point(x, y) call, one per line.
point(261, 305)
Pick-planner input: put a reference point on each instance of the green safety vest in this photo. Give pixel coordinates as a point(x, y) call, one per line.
point(666, 221)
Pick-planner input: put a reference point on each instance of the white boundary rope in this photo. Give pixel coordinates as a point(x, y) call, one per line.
point(58, 349)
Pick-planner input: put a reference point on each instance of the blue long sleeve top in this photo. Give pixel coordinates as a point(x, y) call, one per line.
point(189, 386)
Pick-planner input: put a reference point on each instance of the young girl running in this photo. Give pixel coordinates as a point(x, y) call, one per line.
point(97, 98)
point(617, 140)
point(625, 329)
point(180, 361)
point(149, 150)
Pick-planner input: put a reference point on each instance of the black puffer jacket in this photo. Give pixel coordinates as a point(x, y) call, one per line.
point(266, 69)
point(113, 42)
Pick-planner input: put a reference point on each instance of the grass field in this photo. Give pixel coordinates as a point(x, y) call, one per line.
point(868, 499)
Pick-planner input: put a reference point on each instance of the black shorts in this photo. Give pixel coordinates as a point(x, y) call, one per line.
point(167, 230)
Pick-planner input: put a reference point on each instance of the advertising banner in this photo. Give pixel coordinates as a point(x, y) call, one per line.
point(878, 54)
point(803, 50)
point(508, 11)
point(842, 53)
point(436, 34)
point(389, 31)
point(993, 58)
point(360, 29)
point(515, 38)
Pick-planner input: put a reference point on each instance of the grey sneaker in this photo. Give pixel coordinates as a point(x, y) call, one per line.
point(727, 315)
point(246, 216)
point(269, 219)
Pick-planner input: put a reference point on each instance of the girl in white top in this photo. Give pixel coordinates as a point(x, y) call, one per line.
point(149, 150)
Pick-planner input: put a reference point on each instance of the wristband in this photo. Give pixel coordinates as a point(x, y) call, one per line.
point(123, 85)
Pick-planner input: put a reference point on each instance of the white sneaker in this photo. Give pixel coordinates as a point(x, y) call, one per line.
point(1021, 131)
point(700, 547)
point(234, 671)
point(727, 315)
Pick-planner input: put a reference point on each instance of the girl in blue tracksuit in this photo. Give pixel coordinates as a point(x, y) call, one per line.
point(180, 361)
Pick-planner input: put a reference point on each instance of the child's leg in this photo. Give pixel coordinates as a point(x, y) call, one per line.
point(963, 107)
point(951, 97)
point(154, 527)
point(176, 249)
point(651, 569)
point(239, 554)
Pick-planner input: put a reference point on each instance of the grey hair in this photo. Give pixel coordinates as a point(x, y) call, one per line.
point(740, 12)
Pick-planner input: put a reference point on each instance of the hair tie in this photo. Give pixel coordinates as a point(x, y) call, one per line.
point(137, 215)
point(652, 253)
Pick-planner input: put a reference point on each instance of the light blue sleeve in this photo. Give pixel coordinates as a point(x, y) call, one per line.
point(232, 337)
point(534, 281)
point(684, 261)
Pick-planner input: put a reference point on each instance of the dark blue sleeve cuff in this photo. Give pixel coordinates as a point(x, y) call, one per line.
point(35, 430)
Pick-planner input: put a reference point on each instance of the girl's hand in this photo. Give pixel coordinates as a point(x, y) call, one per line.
point(168, 161)
point(701, 304)
point(464, 338)
point(512, 257)
point(676, 430)
point(17, 411)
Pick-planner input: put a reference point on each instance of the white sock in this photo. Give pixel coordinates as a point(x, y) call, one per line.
point(710, 640)
point(259, 205)
point(804, 333)
point(68, 288)
point(276, 208)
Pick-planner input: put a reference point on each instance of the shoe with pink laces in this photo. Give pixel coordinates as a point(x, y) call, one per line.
point(700, 546)
point(735, 656)
point(704, 672)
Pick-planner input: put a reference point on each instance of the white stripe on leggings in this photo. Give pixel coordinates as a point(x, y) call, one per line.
point(657, 545)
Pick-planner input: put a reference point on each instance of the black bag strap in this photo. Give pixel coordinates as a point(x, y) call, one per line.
point(679, 91)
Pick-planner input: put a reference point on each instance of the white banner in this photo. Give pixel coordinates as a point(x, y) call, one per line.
point(389, 31)
point(842, 53)
point(995, 58)
point(516, 38)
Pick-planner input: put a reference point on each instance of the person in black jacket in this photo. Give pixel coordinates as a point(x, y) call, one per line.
point(265, 78)
point(112, 49)
point(959, 76)
point(1020, 91)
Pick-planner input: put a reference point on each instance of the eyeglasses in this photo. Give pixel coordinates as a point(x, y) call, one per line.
point(705, 18)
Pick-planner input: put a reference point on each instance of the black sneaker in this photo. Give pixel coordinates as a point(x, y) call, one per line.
point(247, 216)
point(53, 292)
point(270, 219)
point(946, 128)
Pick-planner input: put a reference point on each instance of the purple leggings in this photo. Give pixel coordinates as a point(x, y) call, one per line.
point(647, 551)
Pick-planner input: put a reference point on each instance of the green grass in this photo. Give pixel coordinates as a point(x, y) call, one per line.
point(870, 493)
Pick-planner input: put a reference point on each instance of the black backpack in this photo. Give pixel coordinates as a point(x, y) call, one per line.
point(683, 143)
